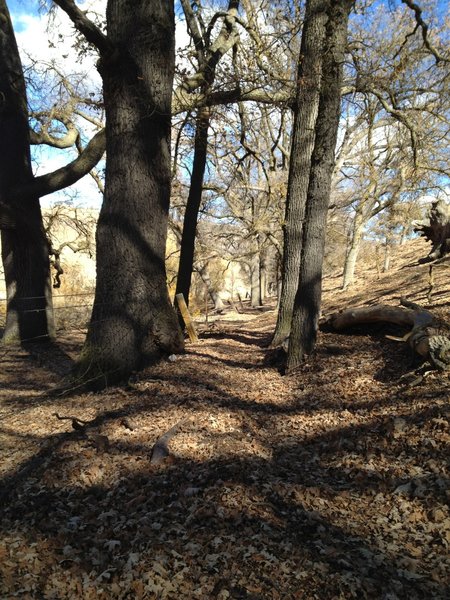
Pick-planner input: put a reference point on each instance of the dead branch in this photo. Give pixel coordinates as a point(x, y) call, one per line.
point(436, 229)
point(160, 450)
point(77, 424)
point(428, 337)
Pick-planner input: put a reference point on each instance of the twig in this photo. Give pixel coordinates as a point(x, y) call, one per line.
point(160, 450)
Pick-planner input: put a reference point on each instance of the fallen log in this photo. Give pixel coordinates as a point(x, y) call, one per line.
point(428, 337)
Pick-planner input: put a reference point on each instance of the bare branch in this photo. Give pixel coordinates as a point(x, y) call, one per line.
point(85, 26)
point(67, 175)
point(210, 56)
point(424, 27)
point(44, 137)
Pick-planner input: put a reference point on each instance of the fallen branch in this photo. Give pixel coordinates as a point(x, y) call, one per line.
point(429, 336)
point(160, 450)
point(77, 424)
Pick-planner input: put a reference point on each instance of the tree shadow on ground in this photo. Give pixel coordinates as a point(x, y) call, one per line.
point(310, 493)
point(238, 522)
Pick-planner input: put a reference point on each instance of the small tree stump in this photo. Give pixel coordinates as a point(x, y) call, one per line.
point(436, 229)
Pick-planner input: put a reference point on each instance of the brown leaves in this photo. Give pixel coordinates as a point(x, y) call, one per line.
point(333, 484)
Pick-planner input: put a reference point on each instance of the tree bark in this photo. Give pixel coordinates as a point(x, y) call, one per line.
point(307, 303)
point(429, 337)
point(25, 251)
point(436, 229)
point(187, 247)
point(305, 115)
point(263, 273)
point(133, 322)
point(353, 250)
point(255, 273)
point(213, 294)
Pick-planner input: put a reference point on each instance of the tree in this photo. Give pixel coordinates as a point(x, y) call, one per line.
point(25, 249)
point(133, 322)
point(306, 310)
point(305, 115)
point(208, 55)
point(24, 245)
point(397, 152)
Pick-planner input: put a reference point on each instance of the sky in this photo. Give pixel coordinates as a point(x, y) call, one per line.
point(53, 44)
point(36, 40)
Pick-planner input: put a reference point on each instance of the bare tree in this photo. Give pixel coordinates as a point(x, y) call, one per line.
point(305, 115)
point(25, 249)
point(307, 303)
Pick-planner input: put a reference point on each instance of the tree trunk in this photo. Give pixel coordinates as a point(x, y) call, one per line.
point(255, 283)
point(353, 251)
point(307, 102)
point(133, 322)
point(263, 273)
point(387, 254)
point(25, 251)
point(213, 294)
point(308, 298)
point(187, 247)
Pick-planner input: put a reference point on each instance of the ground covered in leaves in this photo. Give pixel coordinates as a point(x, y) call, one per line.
point(330, 483)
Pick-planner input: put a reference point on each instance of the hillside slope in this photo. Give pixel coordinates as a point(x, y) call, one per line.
point(405, 278)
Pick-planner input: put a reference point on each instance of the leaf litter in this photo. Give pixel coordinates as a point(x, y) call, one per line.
point(331, 484)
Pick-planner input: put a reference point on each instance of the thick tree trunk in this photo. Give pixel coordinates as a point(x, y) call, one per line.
point(25, 251)
point(133, 322)
point(187, 247)
point(213, 294)
point(306, 106)
point(308, 298)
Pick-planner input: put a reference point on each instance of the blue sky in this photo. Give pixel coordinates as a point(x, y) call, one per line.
point(30, 25)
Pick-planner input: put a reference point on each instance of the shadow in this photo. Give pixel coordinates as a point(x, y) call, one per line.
point(250, 338)
point(324, 489)
point(267, 519)
point(52, 356)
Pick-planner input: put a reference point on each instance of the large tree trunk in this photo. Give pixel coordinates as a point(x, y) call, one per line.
point(306, 106)
point(187, 247)
point(133, 322)
point(203, 271)
point(25, 250)
point(308, 298)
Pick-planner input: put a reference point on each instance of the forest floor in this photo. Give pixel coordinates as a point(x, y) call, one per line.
point(330, 483)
